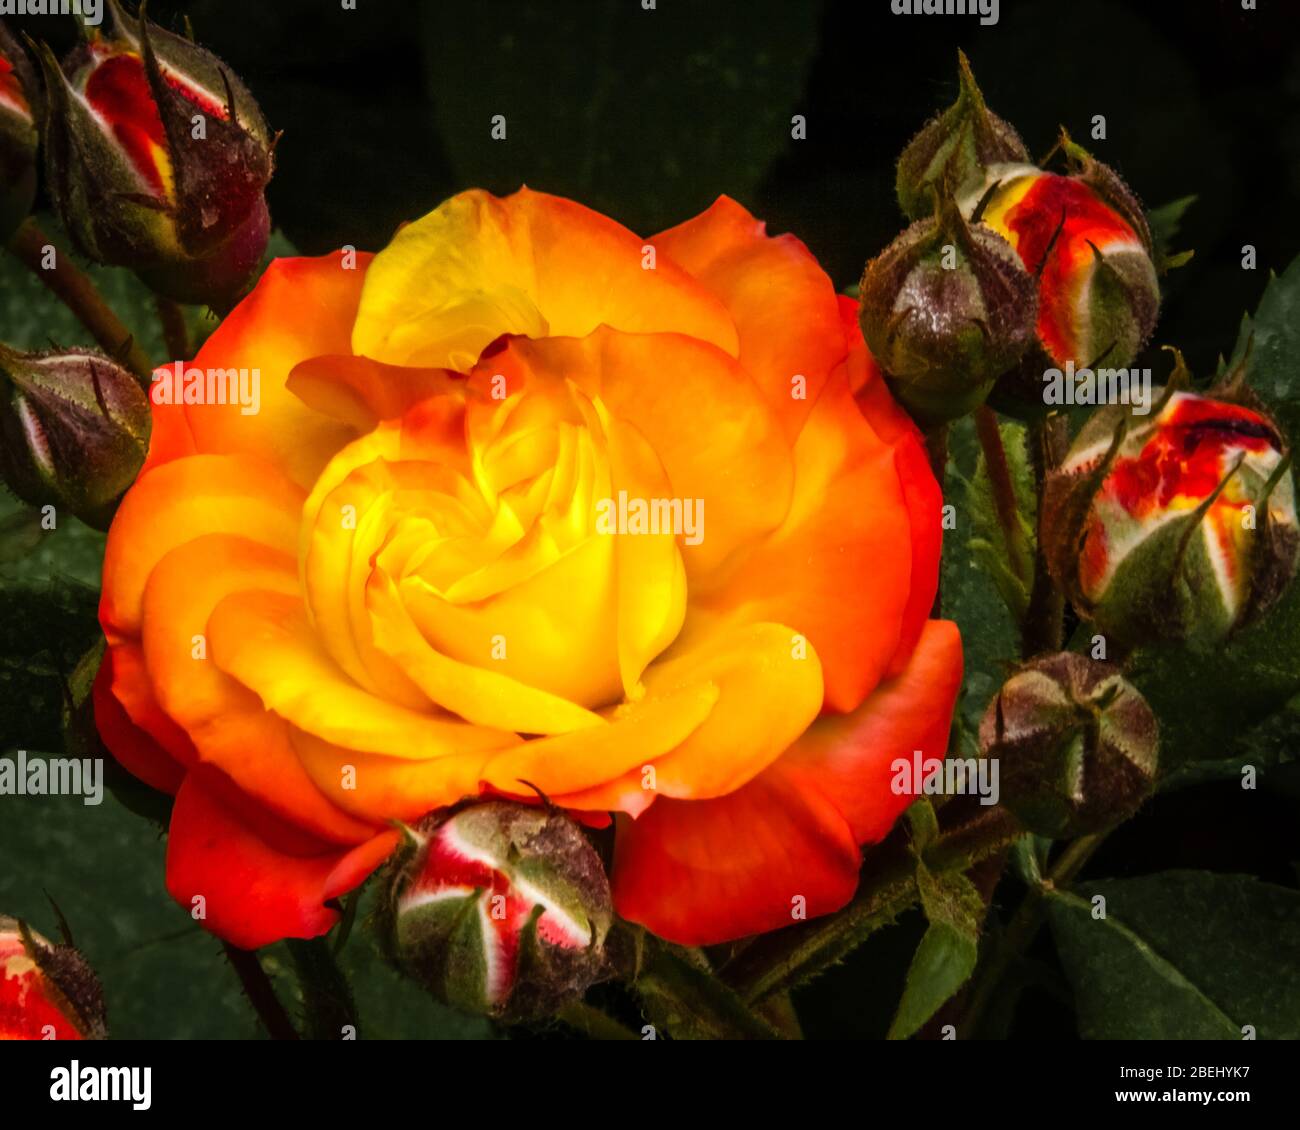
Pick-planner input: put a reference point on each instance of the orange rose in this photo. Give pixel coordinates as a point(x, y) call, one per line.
point(533, 505)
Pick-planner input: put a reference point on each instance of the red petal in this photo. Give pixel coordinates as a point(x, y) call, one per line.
point(255, 893)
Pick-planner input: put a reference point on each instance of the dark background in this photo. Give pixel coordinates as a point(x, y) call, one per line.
point(648, 115)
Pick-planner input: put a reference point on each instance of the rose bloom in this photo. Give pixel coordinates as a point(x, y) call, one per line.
point(388, 591)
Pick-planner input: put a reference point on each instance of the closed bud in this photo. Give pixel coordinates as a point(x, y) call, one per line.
point(19, 113)
point(947, 308)
point(1084, 237)
point(74, 430)
point(500, 909)
point(1180, 528)
point(158, 160)
point(1076, 745)
point(47, 992)
point(952, 151)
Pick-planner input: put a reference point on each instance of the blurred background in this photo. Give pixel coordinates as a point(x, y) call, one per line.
point(648, 116)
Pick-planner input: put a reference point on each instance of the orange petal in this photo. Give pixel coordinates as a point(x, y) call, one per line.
point(477, 694)
point(920, 488)
point(360, 392)
point(848, 757)
point(379, 789)
point(635, 736)
point(226, 722)
point(769, 684)
point(717, 438)
point(263, 640)
point(784, 305)
point(479, 266)
point(839, 569)
point(179, 502)
point(300, 308)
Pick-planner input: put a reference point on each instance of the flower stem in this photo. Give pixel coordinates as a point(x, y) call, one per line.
point(326, 995)
point(1024, 925)
point(176, 334)
point(782, 960)
point(1044, 626)
point(260, 994)
point(594, 1024)
point(1005, 502)
point(691, 1003)
point(75, 290)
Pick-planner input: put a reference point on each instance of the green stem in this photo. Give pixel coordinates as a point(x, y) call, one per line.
point(260, 994)
point(1024, 926)
point(691, 1003)
point(326, 996)
point(1005, 503)
point(786, 958)
point(67, 282)
point(594, 1024)
point(1044, 625)
point(176, 334)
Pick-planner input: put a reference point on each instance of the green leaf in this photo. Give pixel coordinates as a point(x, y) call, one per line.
point(586, 118)
point(947, 954)
point(1181, 955)
point(1165, 222)
point(1273, 336)
point(970, 596)
point(44, 632)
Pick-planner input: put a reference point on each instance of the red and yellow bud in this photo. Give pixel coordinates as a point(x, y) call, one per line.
point(158, 160)
point(19, 113)
point(500, 909)
point(1180, 528)
point(74, 430)
point(1097, 291)
point(47, 992)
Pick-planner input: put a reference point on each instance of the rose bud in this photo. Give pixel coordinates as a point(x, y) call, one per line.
point(18, 135)
point(1182, 527)
point(74, 430)
point(953, 150)
point(1076, 745)
point(158, 160)
point(46, 991)
point(1085, 239)
point(501, 908)
point(946, 309)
